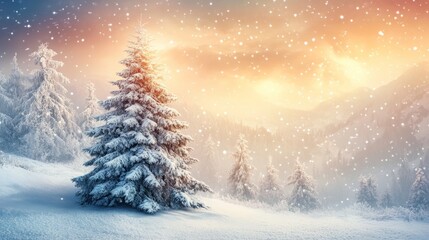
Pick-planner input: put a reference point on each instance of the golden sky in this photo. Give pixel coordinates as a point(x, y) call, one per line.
point(240, 58)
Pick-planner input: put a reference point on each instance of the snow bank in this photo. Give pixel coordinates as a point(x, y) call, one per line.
point(37, 202)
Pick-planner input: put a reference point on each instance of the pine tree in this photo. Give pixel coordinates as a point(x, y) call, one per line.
point(401, 185)
point(47, 122)
point(270, 191)
point(386, 200)
point(367, 193)
point(6, 101)
point(6, 126)
point(87, 117)
point(208, 171)
point(304, 196)
point(419, 197)
point(17, 81)
point(140, 158)
point(241, 186)
point(91, 110)
point(12, 89)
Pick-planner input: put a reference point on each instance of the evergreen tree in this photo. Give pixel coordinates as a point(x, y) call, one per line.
point(304, 196)
point(140, 158)
point(386, 200)
point(16, 84)
point(208, 171)
point(87, 117)
point(47, 122)
point(91, 110)
point(367, 193)
point(12, 90)
point(270, 190)
point(419, 197)
point(241, 186)
point(401, 185)
point(6, 103)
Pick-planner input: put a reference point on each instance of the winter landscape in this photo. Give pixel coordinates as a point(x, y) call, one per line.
point(214, 119)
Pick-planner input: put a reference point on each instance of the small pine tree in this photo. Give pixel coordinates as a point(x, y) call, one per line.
point(241, 186)
point(12, 89)
point(6, 101)
point(6, 126)
point(386, 200)
point(401, 184)
point(87, 117)
point(91, 110)
point(17, 82)
point(367, 193)
point(208, 171)
point(304, 196)
point(419, 197)
point(140, 158)
point(47, 122)
point(270, 191)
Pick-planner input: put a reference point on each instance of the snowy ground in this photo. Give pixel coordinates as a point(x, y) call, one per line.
point(37, 202)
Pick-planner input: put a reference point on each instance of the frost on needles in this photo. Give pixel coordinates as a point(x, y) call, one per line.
point(140, 158)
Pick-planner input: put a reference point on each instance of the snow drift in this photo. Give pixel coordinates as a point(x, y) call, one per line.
point(37, 201)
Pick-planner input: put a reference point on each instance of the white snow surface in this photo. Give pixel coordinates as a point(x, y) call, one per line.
point(37, 202)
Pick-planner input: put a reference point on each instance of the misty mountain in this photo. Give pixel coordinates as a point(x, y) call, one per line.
point(384, 126)
point(365, 132)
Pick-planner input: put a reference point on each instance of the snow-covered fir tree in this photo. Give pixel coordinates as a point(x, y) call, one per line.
point(140, 157)
point(16, 84)
point(7, 97)
point(304, 196)
point(367, 192)
point(87, 117)
point(12, 89)
point(386, 200)
point(239, 179)
point(91, 110)
point(47, 123)
point(419, 196)
point(270, 190)
point(6, 126)
point(207, 166)
point(401, 184)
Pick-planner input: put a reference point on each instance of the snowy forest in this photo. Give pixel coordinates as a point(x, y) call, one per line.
point(40, 122)
point(148, 145)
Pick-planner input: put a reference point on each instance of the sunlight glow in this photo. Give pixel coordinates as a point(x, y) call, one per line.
point(268, 88)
